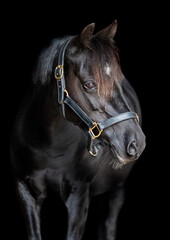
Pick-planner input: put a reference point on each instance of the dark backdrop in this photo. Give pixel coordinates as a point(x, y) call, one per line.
point(28, 30)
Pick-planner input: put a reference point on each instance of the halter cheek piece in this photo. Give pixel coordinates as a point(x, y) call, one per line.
point(94, 129)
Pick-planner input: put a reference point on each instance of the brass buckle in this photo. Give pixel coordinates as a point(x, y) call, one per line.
point(92, 131)
point(59, 72)
point(137, 117)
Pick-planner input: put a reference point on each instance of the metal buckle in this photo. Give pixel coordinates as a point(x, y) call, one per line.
point(93, 129)
point(137, 117)
point(59, 72)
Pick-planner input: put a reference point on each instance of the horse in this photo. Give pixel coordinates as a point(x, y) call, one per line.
point(77, 132)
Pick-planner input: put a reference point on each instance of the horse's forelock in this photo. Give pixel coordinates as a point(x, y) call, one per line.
point(106, 68)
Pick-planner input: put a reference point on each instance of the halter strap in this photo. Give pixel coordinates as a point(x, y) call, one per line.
point(94, 129)
point(59, 75)
point(119, 118)
point(82, 115)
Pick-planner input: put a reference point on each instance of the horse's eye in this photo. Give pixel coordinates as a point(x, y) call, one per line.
point(89, 85)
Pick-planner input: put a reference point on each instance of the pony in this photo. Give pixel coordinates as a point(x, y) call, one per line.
point(77, 132)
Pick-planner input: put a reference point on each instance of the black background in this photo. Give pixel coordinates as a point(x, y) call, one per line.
point(140, 38)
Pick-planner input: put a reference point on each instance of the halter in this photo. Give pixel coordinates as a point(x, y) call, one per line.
point(94, 128)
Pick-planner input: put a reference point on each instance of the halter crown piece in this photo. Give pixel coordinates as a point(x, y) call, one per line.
point(94, 128)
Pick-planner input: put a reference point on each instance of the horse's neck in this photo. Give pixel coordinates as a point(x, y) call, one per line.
point(43, 98)
point(47, 123)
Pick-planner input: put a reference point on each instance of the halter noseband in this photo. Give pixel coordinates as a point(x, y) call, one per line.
point(94, 129)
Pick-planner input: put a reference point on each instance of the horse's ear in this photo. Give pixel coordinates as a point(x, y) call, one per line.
point(108, 32)
point(87, 33)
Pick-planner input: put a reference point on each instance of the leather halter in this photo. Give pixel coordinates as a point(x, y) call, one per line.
point(94, 129)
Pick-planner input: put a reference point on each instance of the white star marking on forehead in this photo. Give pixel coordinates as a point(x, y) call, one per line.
point(107, 69)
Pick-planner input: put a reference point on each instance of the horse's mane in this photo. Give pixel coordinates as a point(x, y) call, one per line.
point(44, 68)
point(101, 52)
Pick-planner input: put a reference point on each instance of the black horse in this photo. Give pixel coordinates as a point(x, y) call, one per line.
point(77, 131)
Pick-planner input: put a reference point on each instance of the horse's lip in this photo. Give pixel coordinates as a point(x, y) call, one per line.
point(117, 155)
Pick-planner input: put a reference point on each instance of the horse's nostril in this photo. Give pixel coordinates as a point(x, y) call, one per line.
point(132, 149)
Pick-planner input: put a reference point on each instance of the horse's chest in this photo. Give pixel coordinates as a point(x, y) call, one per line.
point(104, 181)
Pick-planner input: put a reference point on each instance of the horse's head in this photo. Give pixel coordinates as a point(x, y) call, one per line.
point(94, 81)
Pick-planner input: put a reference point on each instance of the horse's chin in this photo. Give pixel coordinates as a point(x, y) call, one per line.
point(116, 165)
